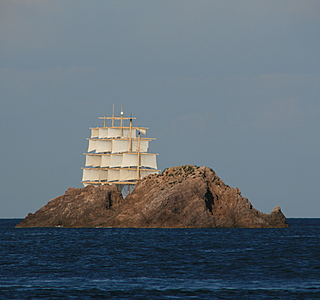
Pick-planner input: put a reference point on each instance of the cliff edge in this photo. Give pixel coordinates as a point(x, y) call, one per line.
point(180, 197)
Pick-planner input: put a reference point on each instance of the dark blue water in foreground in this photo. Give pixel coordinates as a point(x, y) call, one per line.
point(57, 263)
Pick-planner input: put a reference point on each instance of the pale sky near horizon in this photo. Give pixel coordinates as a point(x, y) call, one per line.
point(232, 85)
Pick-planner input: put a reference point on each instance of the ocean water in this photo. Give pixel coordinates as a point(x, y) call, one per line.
point(107, 263)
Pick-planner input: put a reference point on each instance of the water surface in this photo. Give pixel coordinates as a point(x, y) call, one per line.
point(104, 263)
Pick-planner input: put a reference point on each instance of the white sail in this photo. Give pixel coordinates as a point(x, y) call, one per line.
point(149, 161)
point(128, 174)
point(103, 174)
point(93, 160)
point(86, 175)
point(144, 146)
point(129, 160)
point(97, 161)
point(114, 175)
point(103, 133)
point(94, 132)
point(115, 161)
point(89, 160)
point(143, 130)
point(126, 133)
point(87, 183)
point(120, 146)
point(103, 146)
point(94, 175)
point(92, 145)
point(105, 161)
point(114, 132)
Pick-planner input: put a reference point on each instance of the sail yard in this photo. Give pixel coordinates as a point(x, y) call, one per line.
point(118, 154)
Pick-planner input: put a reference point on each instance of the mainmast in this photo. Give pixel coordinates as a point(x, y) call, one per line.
point(112, 116)
point(138, 152)
point(130, 131)
point(121, 122)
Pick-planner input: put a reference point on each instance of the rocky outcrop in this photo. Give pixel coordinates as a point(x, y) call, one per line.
point(84, 207)
point(180, 197)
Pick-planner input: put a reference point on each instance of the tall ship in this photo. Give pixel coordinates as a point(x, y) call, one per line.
point(118, 154)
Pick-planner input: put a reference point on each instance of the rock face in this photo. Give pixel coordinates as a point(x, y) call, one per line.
point(84, 207)
point(180, 197)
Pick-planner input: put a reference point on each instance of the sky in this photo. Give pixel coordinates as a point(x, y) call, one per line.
point(231, 85)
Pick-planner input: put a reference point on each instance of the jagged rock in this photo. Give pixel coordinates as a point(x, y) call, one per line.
point(180, 197)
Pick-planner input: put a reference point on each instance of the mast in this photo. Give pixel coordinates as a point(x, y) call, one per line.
point(112, 115)
point(130, 132)
point(139, 162)
point(121, 122)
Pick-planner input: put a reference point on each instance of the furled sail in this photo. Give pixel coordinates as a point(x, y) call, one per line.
point(143, 130)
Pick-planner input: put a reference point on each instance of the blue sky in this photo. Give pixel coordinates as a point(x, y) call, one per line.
point(232, 85)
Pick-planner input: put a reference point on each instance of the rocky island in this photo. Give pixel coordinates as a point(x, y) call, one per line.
point(181, 197)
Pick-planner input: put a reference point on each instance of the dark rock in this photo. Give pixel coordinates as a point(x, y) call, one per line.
point(180, 197)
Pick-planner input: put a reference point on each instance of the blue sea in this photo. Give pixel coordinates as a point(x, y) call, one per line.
point(108, 263)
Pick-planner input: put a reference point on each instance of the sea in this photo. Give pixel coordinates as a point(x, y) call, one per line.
point(112, 263)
